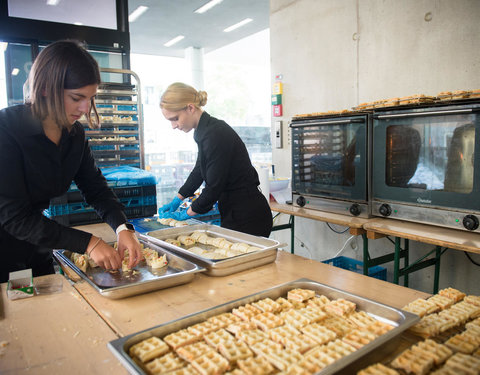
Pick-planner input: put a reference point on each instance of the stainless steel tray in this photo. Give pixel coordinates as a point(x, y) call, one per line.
point(120, 285)
point(222, 267)
point(400, 319)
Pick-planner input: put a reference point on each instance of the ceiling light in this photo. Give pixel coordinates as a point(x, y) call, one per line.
point(208, 6)
point(15, 71)
point(3, 46)
point(137, 13)
point(237, 25)
point(53, 2)
point(174, 40)
point(78, 23)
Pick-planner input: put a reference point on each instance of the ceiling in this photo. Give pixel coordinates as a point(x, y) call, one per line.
point(165, 19)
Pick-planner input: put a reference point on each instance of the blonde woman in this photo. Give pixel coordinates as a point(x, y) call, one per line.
point(223, 164)
point(42, 149)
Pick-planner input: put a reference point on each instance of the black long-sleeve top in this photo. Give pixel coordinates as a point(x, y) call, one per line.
point(34, 170)
point(222, 162)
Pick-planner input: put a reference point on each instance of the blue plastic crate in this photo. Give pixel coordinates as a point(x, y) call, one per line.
point(354, 265)
point(77, 207)
point(128, 176)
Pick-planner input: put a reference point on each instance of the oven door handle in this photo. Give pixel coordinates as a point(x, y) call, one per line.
point(334, 122)
point(432, 113)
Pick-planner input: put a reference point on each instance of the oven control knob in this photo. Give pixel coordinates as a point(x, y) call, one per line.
point(385, 210)
point(470, 222)
point(301, 201)
point(355, 209)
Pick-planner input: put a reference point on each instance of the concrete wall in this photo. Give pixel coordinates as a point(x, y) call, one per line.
point(335, 54)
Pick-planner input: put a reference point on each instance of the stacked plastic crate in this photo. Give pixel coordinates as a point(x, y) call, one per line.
point(134, 187)
point(118, 150)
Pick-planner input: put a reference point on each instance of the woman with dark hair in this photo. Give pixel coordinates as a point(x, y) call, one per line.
point(42, 149)
point(223, 164)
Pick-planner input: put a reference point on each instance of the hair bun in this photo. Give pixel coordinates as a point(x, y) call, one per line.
point(202, 98)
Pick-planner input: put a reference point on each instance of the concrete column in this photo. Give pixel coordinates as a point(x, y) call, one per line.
point(194, 57)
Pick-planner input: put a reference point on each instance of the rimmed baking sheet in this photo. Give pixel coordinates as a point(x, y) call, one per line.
point(145, 279)
point(221, 267)
point(401, 320)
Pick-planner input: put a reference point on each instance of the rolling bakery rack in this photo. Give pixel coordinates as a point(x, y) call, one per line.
point(120, 140)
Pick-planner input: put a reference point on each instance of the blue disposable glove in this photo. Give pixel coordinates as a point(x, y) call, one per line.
point(180, 216)
point(170, 207)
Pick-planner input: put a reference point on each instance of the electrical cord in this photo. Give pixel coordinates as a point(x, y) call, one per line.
point(336, 231)
point(274, 219)
point(302, 244)
point(471, 259)
point(344, 246)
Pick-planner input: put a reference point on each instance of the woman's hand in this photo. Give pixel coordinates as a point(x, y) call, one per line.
point(128, 240)
point(103, 254)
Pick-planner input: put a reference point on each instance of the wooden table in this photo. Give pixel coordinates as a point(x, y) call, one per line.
point(434, 235)
point(54, 334)
point(137, 313)
point(67, 332)
point(429, 234)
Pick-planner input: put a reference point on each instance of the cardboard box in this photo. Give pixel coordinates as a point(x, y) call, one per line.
point(20, 284)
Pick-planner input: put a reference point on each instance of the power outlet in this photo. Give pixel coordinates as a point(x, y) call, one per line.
point(278, 134)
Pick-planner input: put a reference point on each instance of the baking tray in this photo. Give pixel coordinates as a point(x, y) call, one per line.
point(120, 285)
point(401, 320)
point(220, 267)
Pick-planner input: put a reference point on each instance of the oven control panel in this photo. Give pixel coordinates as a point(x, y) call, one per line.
point(358, 209)
point(441, 217)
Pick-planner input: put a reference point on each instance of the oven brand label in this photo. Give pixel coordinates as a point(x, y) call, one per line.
point(420, 200)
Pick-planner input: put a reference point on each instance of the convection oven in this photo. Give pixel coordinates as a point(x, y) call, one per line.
point(330, 163)
point(426, 164)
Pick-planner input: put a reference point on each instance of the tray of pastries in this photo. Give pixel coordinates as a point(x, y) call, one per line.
point(220, 251)
point(158, 269)
point(300, 327)
point(446, 340)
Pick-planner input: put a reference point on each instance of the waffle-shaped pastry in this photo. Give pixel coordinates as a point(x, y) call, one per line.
point(148, 349)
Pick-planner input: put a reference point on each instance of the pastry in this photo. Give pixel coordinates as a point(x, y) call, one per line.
point(378, 369)
point(300, 295)
point(210, 363)
point(421, 307)
point(267, 320)
point(180, 338)
point(467, 364)
point(340, 307)
point(319, 333)
point(186, 240)
point(452, 293)
point(192, 351)
point(413, 362)
point(166, 363)
point(148, 349)
point(438, 352)
point(255, 366)
point(234, 350)
point(215, 338)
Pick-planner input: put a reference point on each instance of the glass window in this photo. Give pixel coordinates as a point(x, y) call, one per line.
point(18, 61)
point(238, 93)
point(3, 81)
point(432, 154)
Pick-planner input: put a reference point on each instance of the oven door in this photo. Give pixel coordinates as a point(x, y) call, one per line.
point(426, 165)
point(329, 164)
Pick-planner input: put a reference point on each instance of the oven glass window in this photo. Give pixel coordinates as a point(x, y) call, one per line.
point(431, 153)
point(330, 160)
